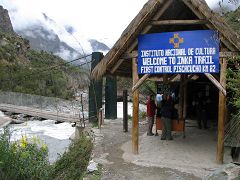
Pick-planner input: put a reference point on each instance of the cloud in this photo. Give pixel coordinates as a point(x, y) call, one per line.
point(103, 20)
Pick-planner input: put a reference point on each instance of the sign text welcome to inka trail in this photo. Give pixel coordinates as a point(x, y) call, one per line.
point(179, 52)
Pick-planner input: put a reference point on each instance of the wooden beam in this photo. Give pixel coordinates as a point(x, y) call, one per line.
point(172, 77)
point(131, 55)
point(116, 66)
point(179, 22)
point(134, 54)
point(228, 54)
point(216, 83)
point(135, 128)
point(221, 113)
point(140, 82)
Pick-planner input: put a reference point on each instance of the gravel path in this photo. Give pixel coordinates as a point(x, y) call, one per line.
point(107, 151)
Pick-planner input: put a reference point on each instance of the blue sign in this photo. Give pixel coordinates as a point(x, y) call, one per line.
point(179, 52)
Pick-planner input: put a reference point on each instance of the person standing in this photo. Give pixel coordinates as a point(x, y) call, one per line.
point(166, 117)
point(201, 111)
point(151, 108)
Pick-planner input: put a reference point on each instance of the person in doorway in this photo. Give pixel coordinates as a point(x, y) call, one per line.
point(166, 117)
point(151, 108)
point(201, 105)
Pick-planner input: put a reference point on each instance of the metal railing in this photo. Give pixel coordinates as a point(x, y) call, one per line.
point(47, 104)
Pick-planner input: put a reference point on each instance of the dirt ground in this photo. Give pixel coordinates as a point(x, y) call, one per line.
point(108, 152)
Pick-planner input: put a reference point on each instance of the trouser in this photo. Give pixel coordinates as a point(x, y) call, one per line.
point(167, 128)
point(202, 118)
point(235, 153)
point(150, 124)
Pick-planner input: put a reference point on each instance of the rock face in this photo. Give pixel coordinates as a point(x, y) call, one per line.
point(5, 22)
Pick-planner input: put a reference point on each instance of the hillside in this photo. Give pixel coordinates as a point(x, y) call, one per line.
point(233, 18)
point(29, 71)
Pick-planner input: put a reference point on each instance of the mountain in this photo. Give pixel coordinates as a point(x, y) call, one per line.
point(42, 38)
point(98, 46)
point(5, 22)
point(25, 70)
point(46, 35)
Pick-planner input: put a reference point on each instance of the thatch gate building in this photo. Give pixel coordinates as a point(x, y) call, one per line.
point(169, 16)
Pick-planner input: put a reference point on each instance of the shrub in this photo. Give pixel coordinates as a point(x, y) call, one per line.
point(23, 160)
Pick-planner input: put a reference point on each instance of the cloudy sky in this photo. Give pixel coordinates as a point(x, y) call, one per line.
point(103, 20)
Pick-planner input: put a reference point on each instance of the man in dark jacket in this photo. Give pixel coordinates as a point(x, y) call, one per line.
point(166, 117)
point(151, 108)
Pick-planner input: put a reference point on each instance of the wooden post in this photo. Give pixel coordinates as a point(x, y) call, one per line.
point(181, 94)
point(135, 108)
point(221, 112)
point(125, 111)
point(184, 103)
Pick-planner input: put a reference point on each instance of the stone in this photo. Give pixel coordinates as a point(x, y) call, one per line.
point(92, 166)
point(228, 172)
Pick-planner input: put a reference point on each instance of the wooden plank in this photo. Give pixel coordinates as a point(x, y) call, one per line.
point(221, 113)
point(140, 82)
point(216, 83)
point(179, 22)
point(134, 54)
point(40, 113)
point(135, 128)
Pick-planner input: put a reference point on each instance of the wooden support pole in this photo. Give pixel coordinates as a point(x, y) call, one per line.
point(216, 83)
point(140, 82)
point(116, 66)
point(185, 97)
point(221, 113)
point(185, 102)
point(135, 130)
point(125, 111)
point(181, 94)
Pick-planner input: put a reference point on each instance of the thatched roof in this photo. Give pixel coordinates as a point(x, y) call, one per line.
point(155, 10)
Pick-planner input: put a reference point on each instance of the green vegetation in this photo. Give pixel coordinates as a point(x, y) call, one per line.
point(233, 85)
point(143, 114)
point(28, 159)
point(73, 163)
point(233, 79)
point(23, 160)
point(233, 19)
point(29, 71)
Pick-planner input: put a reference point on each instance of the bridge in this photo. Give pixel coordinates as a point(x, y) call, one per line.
point(40, 106)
